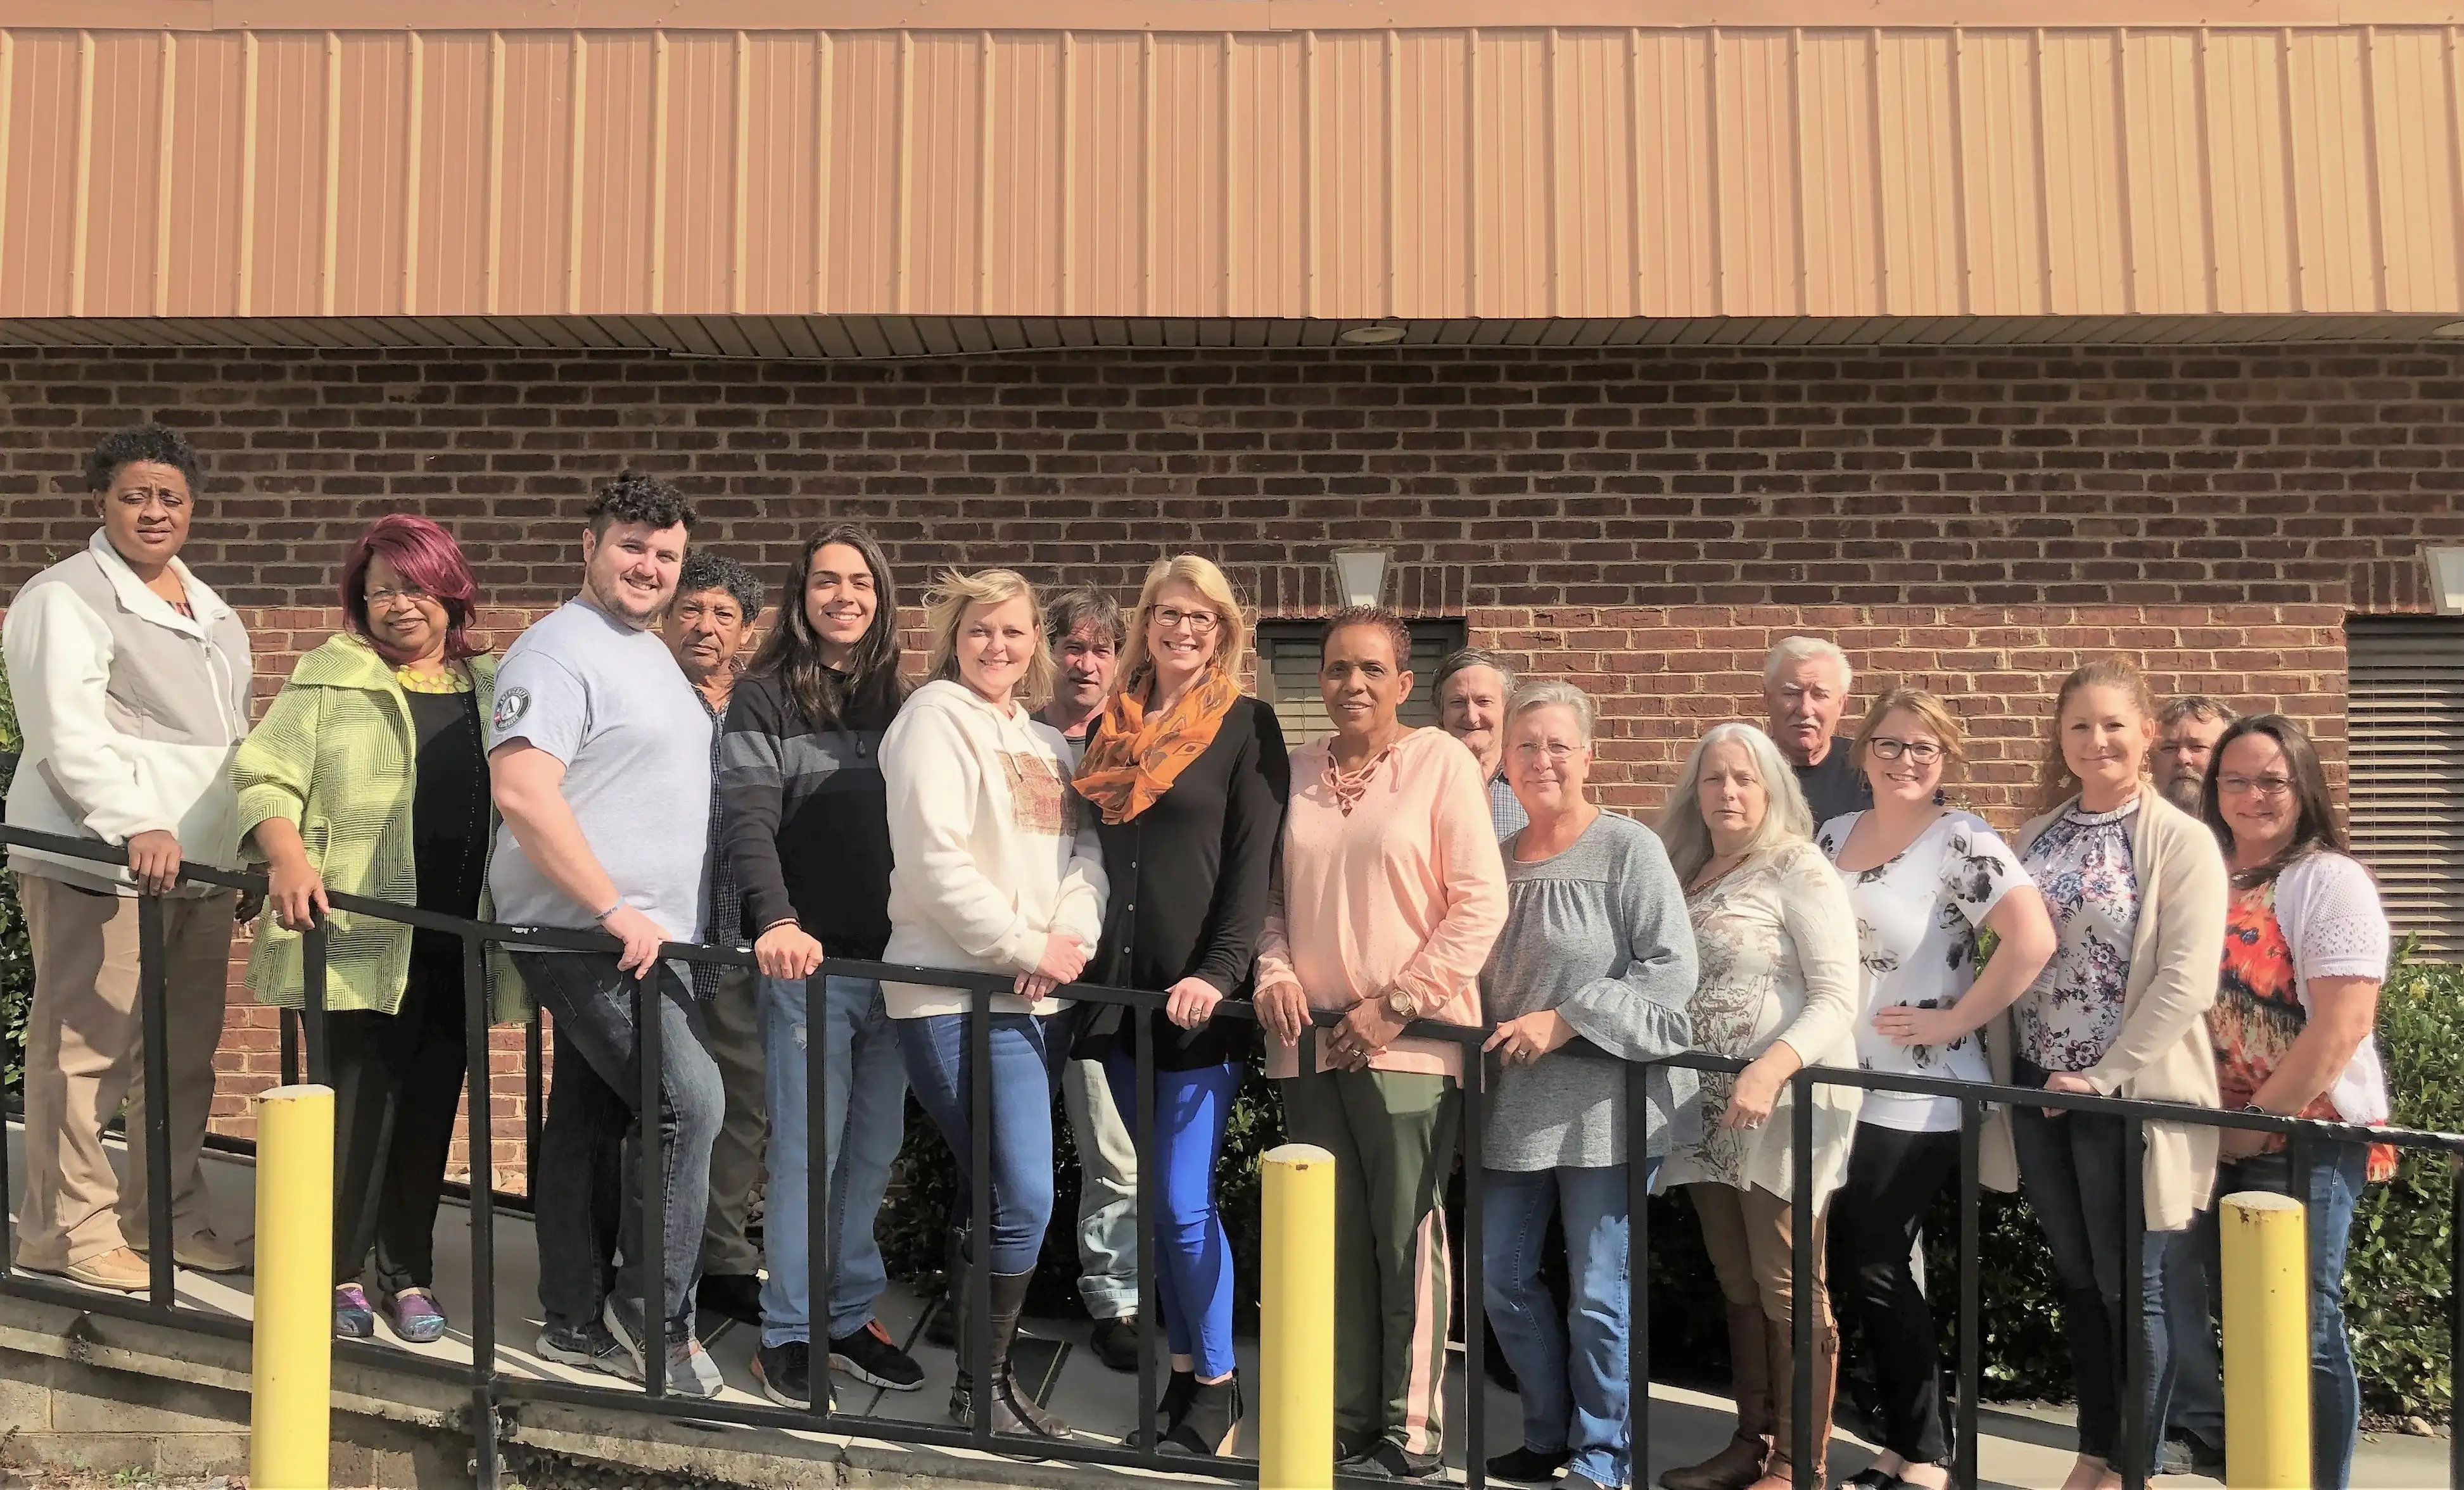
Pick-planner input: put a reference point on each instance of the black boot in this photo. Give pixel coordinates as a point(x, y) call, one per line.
point(1013, 1410)
point(1213, 1421)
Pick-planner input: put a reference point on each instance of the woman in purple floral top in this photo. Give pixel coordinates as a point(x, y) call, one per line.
point(2135, 888)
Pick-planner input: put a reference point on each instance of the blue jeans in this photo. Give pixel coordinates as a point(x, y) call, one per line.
point(1573, 1370)
point(2071, 1169)
point(2338, 1174)
point(1193, 1256)
point(590, 1105)
point(1027, 1054)
point(864, 1084)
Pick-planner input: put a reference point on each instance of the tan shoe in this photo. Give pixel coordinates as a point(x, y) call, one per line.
point(205, 1252)
point(120, 1270)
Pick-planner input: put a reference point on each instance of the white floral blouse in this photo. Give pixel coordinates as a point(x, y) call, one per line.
point(2082, 863)
point(1776, 943)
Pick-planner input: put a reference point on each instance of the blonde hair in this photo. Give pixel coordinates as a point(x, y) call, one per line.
point(1787, 820)
point(1551, 693)
point(1930, 711)
point(2056, 781)
point(1200, 574)
point(945, 611)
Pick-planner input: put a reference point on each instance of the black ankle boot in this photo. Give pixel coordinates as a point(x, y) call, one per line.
point(1013, 1411)
point(1213, 1421)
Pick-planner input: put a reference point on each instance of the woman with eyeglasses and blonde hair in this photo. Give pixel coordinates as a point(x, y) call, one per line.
point(1776, 942)
point(2136, 890)
point(994, 867)
point(1926, 882)
point(1596, 954)
point(2305, 952)
point(1187, 777)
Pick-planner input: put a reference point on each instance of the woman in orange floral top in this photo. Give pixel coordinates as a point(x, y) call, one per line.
point(2305, 952)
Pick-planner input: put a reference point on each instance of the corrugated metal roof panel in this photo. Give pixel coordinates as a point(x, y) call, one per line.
point(1517, 172)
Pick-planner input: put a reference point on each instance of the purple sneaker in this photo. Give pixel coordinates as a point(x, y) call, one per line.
point(416, 1317)
point(353, 1319)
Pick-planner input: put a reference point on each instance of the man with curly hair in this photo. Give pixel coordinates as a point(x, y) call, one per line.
point(132, 684)
point(600, 760)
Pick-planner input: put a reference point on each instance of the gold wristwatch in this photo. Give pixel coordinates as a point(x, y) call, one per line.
point(1402, 1004)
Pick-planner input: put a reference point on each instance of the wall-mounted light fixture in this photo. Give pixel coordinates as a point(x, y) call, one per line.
point(1360, 575)
point(2446, 579)
point(1383, 333)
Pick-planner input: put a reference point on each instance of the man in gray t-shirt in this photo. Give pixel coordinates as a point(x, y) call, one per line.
point(600, 771)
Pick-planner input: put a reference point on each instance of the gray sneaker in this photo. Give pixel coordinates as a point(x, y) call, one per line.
point(691, 1371)
point(590, 1347)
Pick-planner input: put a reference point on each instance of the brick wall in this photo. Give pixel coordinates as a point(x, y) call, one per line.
point(1646, 522)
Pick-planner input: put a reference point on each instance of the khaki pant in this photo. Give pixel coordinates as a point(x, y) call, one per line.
point(85, 1055)
point(733, 1018)
point(1751, 1235)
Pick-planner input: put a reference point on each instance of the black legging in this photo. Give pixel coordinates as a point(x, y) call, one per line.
point(397, 1086)
point(1893, 1176)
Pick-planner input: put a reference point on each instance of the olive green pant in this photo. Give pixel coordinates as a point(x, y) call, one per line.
point(1393, 1137)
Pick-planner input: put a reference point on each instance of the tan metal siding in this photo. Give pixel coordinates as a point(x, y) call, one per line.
point(1434, 173)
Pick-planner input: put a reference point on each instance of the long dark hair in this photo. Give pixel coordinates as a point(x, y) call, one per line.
point(792, 654)
point(2316, 829)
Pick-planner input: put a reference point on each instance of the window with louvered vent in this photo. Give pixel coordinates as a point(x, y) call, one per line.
point(2406, 726)
point(1287, 674)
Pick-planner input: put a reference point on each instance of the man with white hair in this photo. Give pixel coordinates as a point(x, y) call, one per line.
point(1472, 686)
point(1804, 689)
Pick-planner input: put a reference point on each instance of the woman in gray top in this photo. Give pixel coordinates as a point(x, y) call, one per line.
point(1594, 968)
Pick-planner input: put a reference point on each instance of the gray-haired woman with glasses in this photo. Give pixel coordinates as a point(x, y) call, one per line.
point(1924, 881)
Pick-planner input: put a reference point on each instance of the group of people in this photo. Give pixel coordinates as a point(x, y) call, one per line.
point(1078, 793)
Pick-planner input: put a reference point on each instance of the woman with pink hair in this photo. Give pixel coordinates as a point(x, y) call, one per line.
point(369, 774)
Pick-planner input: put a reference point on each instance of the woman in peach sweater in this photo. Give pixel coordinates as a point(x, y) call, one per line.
point(1390, 893)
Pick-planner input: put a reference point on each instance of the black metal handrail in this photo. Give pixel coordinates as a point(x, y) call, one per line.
point(490, 1389)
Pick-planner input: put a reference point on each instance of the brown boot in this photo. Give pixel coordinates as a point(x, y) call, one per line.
point(1741, 1463)
point(1781, 1471)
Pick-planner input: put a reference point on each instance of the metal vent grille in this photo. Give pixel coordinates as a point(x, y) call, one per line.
point(2407, 701)
point(1288, 656)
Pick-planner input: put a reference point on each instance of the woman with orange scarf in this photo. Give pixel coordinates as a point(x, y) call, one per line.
point(1188, 779)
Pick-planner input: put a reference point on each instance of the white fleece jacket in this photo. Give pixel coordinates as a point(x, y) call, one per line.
point(992, 849)
point(131, 711)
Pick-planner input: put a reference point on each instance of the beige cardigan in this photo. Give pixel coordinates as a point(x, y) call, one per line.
point(2163, 1052)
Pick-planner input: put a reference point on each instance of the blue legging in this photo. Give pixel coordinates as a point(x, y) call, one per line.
point(1027, 1051)
point(1194, 1261)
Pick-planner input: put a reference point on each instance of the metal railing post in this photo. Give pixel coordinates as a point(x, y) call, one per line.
point(1475, 1067)
point(153, 995)
point(1638, 1268)
point(312, 951)
point(1972, 1369)
point(1150, 1315)
point(649, 1035)
point(820, 1166)
point(486, 1466)
point(1803, 1259)
point(2131, 1330)
point(978, 1341)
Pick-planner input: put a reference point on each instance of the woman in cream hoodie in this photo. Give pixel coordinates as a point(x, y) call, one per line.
point(996, 868)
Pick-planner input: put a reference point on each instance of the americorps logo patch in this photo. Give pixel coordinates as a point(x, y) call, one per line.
point(511, 705)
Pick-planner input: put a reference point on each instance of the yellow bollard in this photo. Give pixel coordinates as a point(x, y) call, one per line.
point(2267, 1342)
point(1296, 1321)
point(289, 1423)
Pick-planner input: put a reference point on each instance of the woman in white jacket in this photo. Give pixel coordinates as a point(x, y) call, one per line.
point(996, 868)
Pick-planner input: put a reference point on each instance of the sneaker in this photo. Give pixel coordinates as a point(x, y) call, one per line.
point(353, 1319)
point(871, 1356)
point(416, 1317)
point(120, 1270)
point(785, 1373)
point(736, 1296)
point(691, 1371)
point(1115, 1342)
point(590, 1347)
point(1527, 1465)
point(1386, 1459)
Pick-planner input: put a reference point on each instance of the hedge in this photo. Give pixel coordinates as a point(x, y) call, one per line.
point(2396, 1280)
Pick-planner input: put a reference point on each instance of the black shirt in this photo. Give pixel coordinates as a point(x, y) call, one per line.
point(448, 814)
point(807, 817)
point(1835, 787)
point(1190, 878)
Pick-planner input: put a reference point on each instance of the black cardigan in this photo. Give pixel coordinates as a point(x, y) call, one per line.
point(1190, 878)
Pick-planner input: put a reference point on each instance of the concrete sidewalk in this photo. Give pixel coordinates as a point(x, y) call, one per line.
point(2021, 1449)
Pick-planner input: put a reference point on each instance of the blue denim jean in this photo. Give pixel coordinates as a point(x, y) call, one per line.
point(864, 1080)
point(1028, 1052)
point(1573, 1369)
point(591, 1106)
point(2071, 1169)
point(2338, 1174)
point(1193, 1254)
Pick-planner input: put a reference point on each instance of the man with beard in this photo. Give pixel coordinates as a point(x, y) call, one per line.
point(600, 770)
point(2188, 730)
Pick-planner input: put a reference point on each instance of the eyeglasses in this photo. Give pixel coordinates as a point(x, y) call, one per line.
point(1923, 753)
point(1558, 752)
point(1202, 622)
point(379, 600)
point(2269, 786)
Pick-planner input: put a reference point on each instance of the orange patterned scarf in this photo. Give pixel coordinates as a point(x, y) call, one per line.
point(1133, 756)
